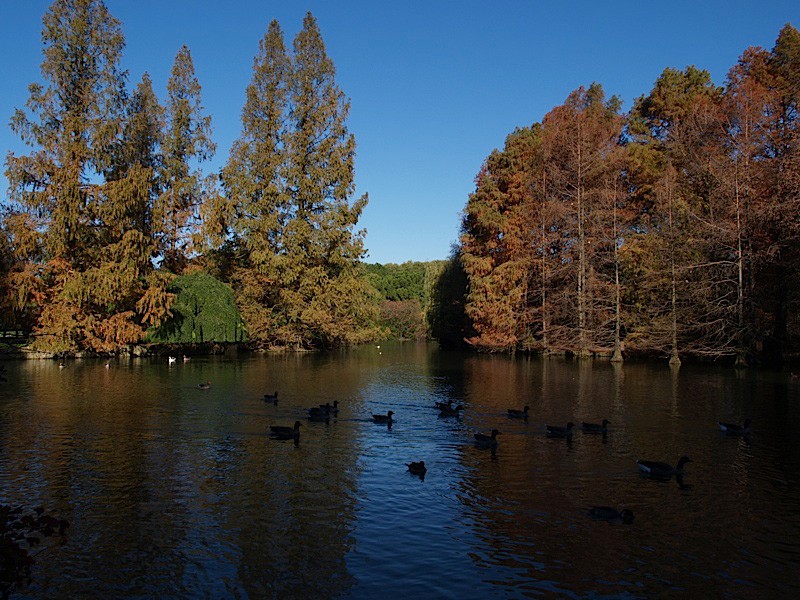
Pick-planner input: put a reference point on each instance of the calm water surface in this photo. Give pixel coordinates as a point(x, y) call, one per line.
point(172, 491)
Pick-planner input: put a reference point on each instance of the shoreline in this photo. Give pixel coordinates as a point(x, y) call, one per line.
point(220, 348)
point(142, 351)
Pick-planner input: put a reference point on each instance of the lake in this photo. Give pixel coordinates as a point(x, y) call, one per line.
point(174, 491)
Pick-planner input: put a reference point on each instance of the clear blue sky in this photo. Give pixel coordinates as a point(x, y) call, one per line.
point(434, 86)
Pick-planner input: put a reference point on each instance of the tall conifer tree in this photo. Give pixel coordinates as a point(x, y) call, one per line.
point(137, 161)
point(779, 215)
point(579, 141)
point(322, 295)
point(187, 141)
point(256, 203)
point(84, 294)
point(688, 264)
point(81, 226)
point(288, 185)
point(141, 143)
point(497, 245)
point(75, 118)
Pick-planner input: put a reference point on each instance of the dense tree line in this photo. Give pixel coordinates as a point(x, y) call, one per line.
point(672, 229)
point(417, 299)
point(111, 205)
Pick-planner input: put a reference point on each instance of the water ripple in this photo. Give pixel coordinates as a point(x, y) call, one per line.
point(173, 491)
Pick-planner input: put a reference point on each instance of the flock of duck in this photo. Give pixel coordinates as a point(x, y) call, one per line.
point(655, 469)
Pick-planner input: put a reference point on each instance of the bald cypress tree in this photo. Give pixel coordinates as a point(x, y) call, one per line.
point(288, 206)
point(187, 142)
point(133, 174)
point(779, 216)
point(579, 140)
point(496, 244)
point(141, 143)
point(72, 120)
point(82, 197)
point(255, 200)
point(323, 297)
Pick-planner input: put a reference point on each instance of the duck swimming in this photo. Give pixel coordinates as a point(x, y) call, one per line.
point(331, 408)
point(450, 411)
point(513, 413)
point(662, 469)
point(487, 441)
point(285, 433)
point(556, 431)
point(417, 468)
point(595, 428)
point(387, 418)
point(204, 386)
point(734, 428)
point(318, 414)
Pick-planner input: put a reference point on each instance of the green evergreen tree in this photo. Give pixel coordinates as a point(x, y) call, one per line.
point(445, 314)
point(399, 282)
point(204, 311)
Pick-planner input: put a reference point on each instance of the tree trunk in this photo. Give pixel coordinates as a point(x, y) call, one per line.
point(741, 358)
point(617, 356)
point(674, 359)
point(545, 346)
point(583, 350)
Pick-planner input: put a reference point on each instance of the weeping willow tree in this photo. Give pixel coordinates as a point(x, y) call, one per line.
point(204, 311)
